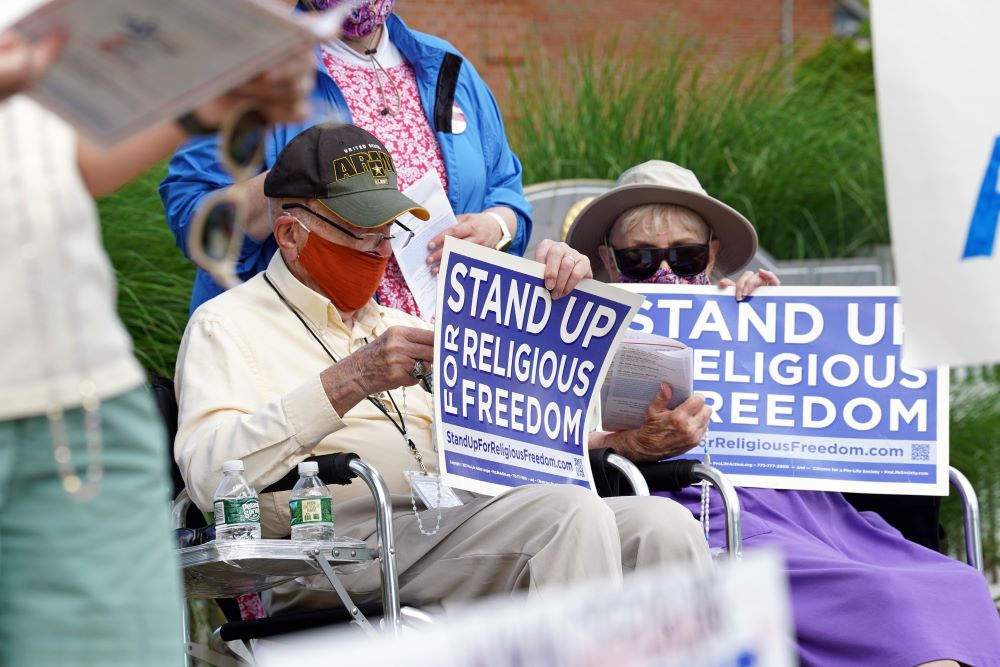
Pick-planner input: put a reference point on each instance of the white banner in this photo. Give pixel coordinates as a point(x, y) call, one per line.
point(734, 616)
point(939, 119)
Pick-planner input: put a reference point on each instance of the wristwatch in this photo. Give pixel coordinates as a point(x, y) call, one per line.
point(505, 237)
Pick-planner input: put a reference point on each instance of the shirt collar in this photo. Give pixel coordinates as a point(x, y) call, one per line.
point(315, 307)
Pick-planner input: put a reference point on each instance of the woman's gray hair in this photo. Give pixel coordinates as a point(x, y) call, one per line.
point(651, 218)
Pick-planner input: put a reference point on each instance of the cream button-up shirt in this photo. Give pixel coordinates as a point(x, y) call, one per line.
point(248, 388)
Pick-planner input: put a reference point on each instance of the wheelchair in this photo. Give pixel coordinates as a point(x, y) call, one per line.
point(222, 571)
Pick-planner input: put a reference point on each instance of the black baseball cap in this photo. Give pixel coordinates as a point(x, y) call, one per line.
point(347, 169)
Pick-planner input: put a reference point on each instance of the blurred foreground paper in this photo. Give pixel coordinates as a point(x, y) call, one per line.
point(939, 120)
point(132, 63)
point(734, 616)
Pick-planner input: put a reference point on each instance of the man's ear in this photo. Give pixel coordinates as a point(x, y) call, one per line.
point(609, 263)
point(288, 234)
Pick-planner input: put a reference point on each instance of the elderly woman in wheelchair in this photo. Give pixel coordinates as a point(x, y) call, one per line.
point(862, 594)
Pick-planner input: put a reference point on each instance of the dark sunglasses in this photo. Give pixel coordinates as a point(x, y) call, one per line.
point(641, 263)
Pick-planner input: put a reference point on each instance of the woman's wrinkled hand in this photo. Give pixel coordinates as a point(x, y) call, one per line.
point(664, 433)
point(564, 267)
point(478, 228)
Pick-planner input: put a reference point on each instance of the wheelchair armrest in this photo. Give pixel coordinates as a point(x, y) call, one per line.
point(670, 475)
point(660, 475)
point(333, 469)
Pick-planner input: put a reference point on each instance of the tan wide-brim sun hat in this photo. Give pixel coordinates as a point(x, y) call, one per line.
point(661, 182)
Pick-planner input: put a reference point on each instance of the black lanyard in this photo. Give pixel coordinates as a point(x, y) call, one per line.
point(401, 426)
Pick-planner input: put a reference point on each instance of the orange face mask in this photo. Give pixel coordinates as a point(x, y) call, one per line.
point(348, 276)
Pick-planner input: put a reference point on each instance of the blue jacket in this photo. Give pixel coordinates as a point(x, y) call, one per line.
point(482, 170)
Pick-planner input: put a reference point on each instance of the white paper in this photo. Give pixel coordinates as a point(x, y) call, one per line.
point(939, 117)
point(129, 64)
point(427, 191)
point(642, 363)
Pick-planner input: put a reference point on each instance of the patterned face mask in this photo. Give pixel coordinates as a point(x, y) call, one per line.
point(363, 19)
point(667, 277)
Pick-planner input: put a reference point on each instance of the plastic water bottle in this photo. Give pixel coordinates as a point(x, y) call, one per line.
point(237, 507)
point(311, 505)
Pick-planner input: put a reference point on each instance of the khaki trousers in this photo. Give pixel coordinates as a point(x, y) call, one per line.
point(530, 538)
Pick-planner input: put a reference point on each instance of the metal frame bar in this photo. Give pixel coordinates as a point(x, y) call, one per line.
point(631, 472)
point(177, 514)
point(386, 542)
point(711, 474)
point(970, 508)
point(731, 502)
point(342, 593)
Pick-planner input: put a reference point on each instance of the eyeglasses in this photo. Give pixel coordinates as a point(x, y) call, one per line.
point(641, 263)
point(216, 233)
point(370, 240)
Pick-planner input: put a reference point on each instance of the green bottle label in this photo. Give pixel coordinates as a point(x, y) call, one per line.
point(237, 510)
point(311, 510)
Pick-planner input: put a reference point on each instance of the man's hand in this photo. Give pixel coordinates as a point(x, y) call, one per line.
point(749, 281)
point(281, 92)
point(23, 63)
point(665, 433)
point(564, 267)
point(383, 364)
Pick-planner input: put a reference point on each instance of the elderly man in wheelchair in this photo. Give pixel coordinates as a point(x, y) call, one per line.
point(299, 361)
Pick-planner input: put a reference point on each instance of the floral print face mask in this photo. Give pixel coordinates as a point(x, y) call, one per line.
point(363, 19)
point(667, 277)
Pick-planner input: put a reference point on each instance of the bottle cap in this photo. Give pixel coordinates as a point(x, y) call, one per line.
point(232, 466)
point(308, 468)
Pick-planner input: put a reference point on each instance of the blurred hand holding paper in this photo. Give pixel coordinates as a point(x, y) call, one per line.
point(642, 363)
point(129, 64)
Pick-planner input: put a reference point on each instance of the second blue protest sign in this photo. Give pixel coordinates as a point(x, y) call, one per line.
point(808, 387)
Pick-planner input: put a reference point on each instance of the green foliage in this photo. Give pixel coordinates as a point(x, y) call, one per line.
point(975, 425)
point(154, 279)
point(800, 159)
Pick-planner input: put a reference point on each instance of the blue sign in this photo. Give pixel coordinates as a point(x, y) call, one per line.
point(986, 216)
point(808, 387)
point(515, 371)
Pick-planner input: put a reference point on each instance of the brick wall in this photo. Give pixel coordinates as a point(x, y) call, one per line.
point(497, 35)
